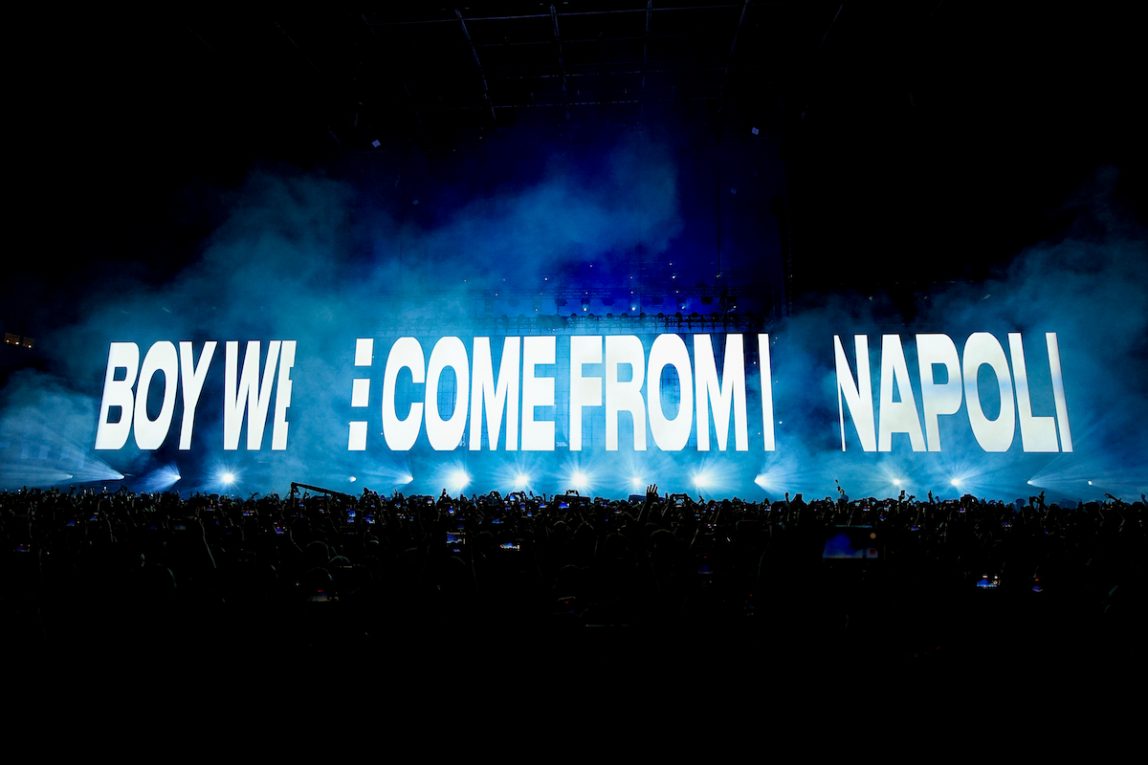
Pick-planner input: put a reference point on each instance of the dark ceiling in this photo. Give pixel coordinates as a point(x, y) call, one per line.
point(922, 141)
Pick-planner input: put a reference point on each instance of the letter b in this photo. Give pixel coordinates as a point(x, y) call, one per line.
point(113, 435)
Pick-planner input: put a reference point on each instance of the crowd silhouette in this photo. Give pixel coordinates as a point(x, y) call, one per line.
point(904, 584)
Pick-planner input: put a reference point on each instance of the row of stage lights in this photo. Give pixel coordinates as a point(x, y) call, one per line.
point(456, 480)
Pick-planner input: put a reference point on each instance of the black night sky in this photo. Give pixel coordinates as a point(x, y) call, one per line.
point(921, 142)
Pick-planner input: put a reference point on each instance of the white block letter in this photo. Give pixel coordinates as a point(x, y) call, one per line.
point(504, 396)
point(625, 396)
point(938, 398)
point(730, 392)
point(401, 434)
point(445, 435)
point(670, 435)
point(161, 357)
point(993, 435)
point(857, 394)
point(537, 435)
point(113, 435)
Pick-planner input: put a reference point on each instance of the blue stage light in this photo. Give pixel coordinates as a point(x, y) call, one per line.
point(457, 480)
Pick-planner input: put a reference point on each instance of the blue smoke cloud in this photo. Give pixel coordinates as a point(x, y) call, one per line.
point(322, 261)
